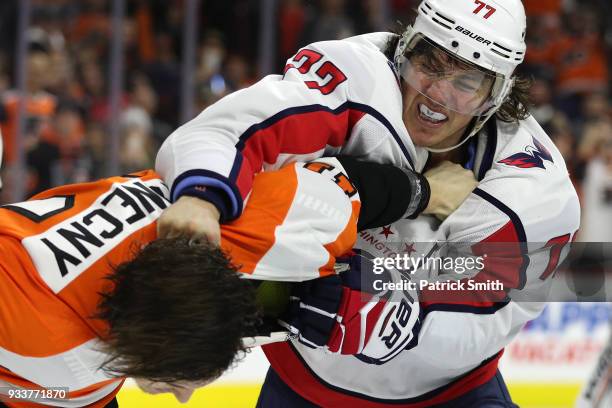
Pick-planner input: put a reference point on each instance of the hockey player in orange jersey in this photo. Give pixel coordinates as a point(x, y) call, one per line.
point(88, 296)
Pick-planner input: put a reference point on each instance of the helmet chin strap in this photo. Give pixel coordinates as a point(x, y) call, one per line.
point(472, 132)
point(448, 149)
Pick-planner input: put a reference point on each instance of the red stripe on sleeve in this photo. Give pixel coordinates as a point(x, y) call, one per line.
point(503, 261)
point(300, 133)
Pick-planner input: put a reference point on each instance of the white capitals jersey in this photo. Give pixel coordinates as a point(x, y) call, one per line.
point(524, 195)
point(343, 97)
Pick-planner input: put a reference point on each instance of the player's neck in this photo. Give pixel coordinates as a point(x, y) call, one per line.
point(455, 156)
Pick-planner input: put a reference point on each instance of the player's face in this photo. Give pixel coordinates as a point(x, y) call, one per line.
point(441, 94)
point(426, 132)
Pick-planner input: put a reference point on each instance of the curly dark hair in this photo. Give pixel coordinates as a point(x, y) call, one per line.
point(515, 107)
point(176, 312)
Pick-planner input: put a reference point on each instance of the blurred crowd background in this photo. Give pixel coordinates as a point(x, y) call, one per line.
point(66, 99)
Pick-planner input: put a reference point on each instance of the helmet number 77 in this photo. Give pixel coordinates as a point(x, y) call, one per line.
point(481, 5)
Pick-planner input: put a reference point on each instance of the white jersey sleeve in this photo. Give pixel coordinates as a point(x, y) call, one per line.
point(334, 96)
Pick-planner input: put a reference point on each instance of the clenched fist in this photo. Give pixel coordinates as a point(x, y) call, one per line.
point(190, 217)
point(450, 185)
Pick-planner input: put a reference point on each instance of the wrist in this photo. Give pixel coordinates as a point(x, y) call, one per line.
point(420, 194)
point(208, 198)
point(203, 204)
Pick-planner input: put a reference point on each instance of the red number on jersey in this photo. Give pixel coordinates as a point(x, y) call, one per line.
point(330, 75)
point(481, 5)
point(308, 58)
point(556, 245)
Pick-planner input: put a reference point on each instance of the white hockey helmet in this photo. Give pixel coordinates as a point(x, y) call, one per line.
point(487, 34)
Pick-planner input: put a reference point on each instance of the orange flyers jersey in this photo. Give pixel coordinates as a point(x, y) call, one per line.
point(58, 247)
point(297, 220)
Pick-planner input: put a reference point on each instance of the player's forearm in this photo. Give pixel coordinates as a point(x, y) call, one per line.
point(272, 122)
point(387, 192)
point(197, 161)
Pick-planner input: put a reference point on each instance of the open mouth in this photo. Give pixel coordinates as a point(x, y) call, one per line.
point(430, 116)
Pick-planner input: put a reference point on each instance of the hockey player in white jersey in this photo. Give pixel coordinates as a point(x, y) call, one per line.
point(444, 90)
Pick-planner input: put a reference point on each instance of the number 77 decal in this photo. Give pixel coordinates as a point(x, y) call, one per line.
point(481, 5)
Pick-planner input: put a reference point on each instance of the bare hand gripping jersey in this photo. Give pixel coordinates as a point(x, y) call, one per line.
point(58, 247)
point(342, 96)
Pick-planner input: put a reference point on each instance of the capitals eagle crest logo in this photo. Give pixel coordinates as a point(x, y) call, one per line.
point(534, 157)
